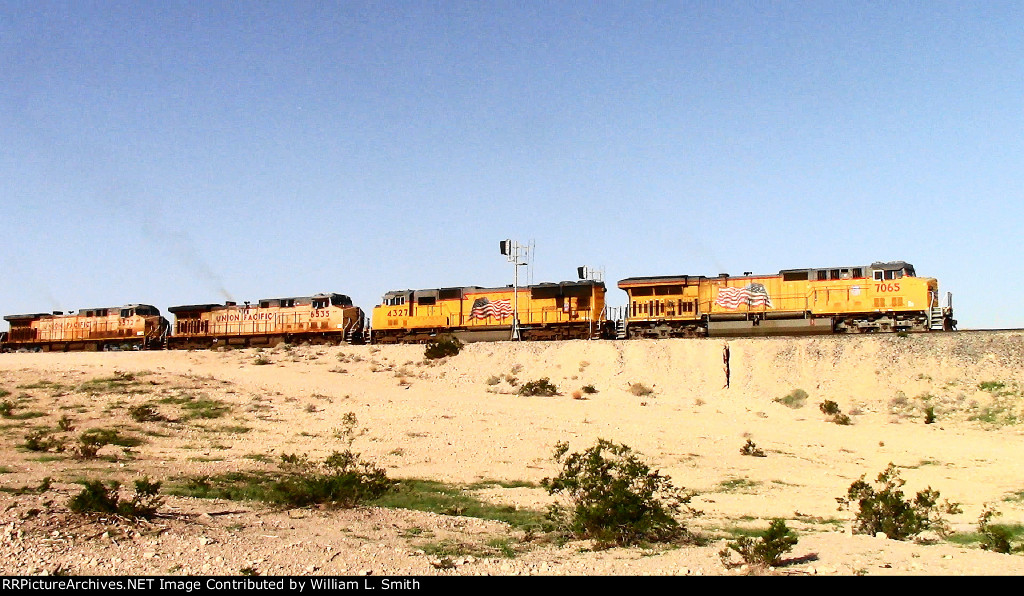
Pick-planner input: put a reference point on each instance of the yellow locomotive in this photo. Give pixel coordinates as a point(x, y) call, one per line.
point(129, 327)
point(880, 297)
point(323, 318)
point(567, 310)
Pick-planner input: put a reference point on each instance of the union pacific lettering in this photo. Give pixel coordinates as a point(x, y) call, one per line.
point(244, 315)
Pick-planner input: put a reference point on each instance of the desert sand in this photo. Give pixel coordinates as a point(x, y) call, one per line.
point(460, 421)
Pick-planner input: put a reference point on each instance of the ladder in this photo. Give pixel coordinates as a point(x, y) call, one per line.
point(935, 318)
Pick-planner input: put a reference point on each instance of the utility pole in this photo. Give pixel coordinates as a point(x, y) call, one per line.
point(516, 254)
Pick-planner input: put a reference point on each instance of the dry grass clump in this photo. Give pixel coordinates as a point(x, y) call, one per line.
point(640, 390)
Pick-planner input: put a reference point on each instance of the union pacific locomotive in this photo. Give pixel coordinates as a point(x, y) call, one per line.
point(881, 297)
point(323, 318)
point(568, 310)
point(133, 326)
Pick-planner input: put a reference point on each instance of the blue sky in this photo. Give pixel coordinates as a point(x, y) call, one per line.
point(184, 152)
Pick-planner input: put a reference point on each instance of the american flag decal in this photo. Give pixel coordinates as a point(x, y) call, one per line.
point(753, 294)
point(483, 308)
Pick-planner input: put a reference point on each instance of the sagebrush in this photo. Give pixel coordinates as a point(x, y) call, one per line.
point(766, 551)
point(442, 348)
point(97, 497)
point(884, 509)
point(615, 497)
point(542, 387)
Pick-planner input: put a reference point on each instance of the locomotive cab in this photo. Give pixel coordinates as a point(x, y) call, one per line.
point(892, 270)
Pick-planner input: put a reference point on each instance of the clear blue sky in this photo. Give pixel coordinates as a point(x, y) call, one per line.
point(181, 152)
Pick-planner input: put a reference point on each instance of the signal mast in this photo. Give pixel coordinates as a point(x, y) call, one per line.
point(516, 254)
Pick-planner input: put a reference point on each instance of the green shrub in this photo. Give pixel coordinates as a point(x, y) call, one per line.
point(589, 389)
point(460, 500)
point(201, 407)
point(616, 498)
point(994, 537)
point(752, 450)
point(442, 348)
point(94, 439)
point(7, 411)
point(765, 552)
point(794, 399)
point(829, 407)
point(542, 387)
point(97, 497)
point(43, 487)
point(145, 413)
point(885, 509)
point(119, 382)
point(341, 480)
point(929, 415)
point(842, 419)
point(41, 441)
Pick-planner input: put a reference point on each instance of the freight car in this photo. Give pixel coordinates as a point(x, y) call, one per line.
point(323, 318)
point(129, 327)
point(880, 297)
point(547, 311)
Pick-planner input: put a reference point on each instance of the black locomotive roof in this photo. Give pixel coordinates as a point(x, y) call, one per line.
point(28, 317)
point(584, 283)
point(297, 301)
point(665, 279)
point(195, 307)
point(480, 289)
point(81, 311)
point(892, 265)
point(661, 279)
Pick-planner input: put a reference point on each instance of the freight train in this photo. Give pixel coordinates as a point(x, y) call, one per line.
point(881, 297)
point(322, 318)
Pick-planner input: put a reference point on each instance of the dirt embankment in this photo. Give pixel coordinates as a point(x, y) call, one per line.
point(945, 408)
